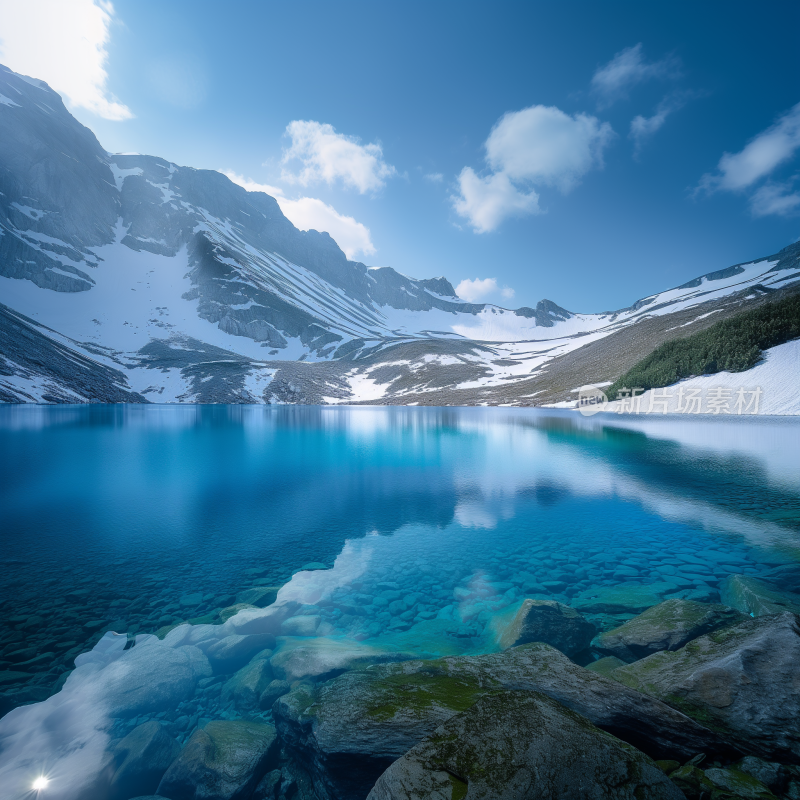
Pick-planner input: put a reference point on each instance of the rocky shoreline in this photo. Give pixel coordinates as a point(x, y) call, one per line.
point(687, 698)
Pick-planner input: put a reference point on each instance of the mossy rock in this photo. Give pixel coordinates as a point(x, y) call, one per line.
point(667, 626)
point(756, 598)
point(739, 682)
point(522, 744)
point(349, 729)
point(736, 785)
point(605, 666)
point(692, 781)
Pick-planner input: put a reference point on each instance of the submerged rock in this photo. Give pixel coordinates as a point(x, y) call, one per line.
point(550, 622)
point(300, 626)
point(143, 757)
point(756, 598)
point(324, 658)
point(259, 596)
point(520, 745)
point(150, 677)
point(245, 687)
point(223, 761)
point(233, 652)
point(347, 731)
point(271, 693)
point(622, 599)
point(667, 626)
point(741, 682)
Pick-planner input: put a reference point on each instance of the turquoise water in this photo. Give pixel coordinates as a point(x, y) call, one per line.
point(432, 524)
point(134, 518)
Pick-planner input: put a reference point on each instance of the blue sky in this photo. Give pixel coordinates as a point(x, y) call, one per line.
point(591, 153)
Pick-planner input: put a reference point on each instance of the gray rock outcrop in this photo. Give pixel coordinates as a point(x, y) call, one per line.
point(742, 682)
point(757, 598)
point(519, 745)
point(550, 622)
point(348, 730)
point(667, 626)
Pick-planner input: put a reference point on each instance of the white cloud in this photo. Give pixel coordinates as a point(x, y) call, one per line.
point(480, 288)
point(542, 144)
point(307, 213)
point(775, 199)
point(251, 185)
point(62, 42)
point(538, 145)
point(772, 147)
point(486, 202)
point(330, 156)
point(642, 128)
point(434, 177)
point(473, 291)
point(627, 69)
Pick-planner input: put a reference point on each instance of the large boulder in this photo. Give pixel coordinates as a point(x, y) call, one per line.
point(742, 682)
point(522, 745)
point(143, 757)
point(550, 622)
point(667, 626)
point(348, 730)
point(756, 598)
point(223, 761)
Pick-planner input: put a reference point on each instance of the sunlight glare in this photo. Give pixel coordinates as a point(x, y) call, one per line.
point(40, 783)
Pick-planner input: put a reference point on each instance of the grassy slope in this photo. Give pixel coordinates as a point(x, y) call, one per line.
point(732, 345)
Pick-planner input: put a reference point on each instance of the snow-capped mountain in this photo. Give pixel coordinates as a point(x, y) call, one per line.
point(129, 278)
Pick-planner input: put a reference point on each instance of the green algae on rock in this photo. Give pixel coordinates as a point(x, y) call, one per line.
point(740, 682)
point(522, 744)
point(605, 666)
point(667, 626)
point(756, 598)
point(737, 784)
point(348, 730)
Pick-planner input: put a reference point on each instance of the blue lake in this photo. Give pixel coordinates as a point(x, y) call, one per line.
point(432, 525)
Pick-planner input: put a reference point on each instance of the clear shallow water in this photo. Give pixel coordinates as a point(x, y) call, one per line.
point(434, 523)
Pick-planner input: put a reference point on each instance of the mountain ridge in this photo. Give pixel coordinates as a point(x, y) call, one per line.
point(193, 289)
